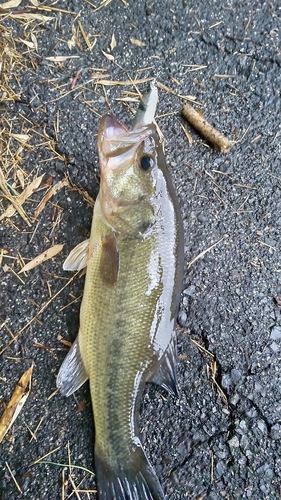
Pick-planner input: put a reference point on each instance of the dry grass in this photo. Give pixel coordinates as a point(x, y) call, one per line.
point(10, 61)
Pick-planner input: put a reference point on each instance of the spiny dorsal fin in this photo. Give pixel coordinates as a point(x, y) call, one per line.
point(109, 262)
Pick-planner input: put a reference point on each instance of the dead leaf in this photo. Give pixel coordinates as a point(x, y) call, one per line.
point(28, 44)
point(16, 403)
point(51, 192)
point(110, 57)
point(20, 177)
point(21, 198)
point(48, 254)
point(84, 35)
point(22, 138)
point(81, 406)
point(74, 81)
point(103, 4)
point(72, 42)
point(135, 41)
point(113, 42)
point(26, 16)
point(34, 40)
point(11, 4)
point(60, 58)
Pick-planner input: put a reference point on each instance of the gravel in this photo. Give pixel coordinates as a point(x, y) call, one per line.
point(221, 438)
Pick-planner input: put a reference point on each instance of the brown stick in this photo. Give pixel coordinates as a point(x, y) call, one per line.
point(198, 122)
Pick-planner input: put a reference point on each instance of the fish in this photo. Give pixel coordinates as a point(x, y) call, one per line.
point(134, 269)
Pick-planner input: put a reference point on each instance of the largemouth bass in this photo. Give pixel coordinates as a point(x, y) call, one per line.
point(134, 261)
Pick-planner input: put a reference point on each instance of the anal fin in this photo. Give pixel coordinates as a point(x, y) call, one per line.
point(77, 259)
point(165, 375)
point(72, 372)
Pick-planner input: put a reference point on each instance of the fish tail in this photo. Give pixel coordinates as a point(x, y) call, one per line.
point(134, 479)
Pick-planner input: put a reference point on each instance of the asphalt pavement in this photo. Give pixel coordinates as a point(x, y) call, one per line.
point(222, 437)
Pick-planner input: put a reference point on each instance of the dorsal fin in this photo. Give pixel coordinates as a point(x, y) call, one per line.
point(165, 375)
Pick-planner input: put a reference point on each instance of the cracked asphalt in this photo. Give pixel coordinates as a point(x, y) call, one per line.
point(222, 437)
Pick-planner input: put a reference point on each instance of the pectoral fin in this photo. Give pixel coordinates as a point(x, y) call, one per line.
point(72, 373)
point(165, 375)
point(78, 257)
point(109, 262)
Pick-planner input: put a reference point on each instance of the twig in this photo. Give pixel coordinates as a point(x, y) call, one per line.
point(198, 122)
point(47, 454)
point(201, 254)
point(13, 477)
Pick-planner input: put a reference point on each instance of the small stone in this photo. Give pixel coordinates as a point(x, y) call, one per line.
point(202, 218)
point(262, 427)
point(251, 413)
point(263, 468)
point(220, 467)
point(217, 161)
point(234, 400)
point(226, 381)
point(182, 318)
point(190, 290)
point(276, 333)
point(276, 431)
point(234, 442)
point(236, 375)
point(244, 442)
point(243, 425)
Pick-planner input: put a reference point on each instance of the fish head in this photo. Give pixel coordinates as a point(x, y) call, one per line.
point(128, 165)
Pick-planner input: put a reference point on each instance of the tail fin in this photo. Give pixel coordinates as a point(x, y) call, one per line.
point(133, 480)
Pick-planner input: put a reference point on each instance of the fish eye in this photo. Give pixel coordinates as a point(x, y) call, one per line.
point(146, 162)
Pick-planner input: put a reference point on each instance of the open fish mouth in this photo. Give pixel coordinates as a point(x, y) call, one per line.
point(115, 136)
point(117, 144)
point(111, 129)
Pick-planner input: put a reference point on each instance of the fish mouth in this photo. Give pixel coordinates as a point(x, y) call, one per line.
point(110, 127)
point(118, 145)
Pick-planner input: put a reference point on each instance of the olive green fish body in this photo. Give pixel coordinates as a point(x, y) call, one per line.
point(134, 262)
point(125, 327)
